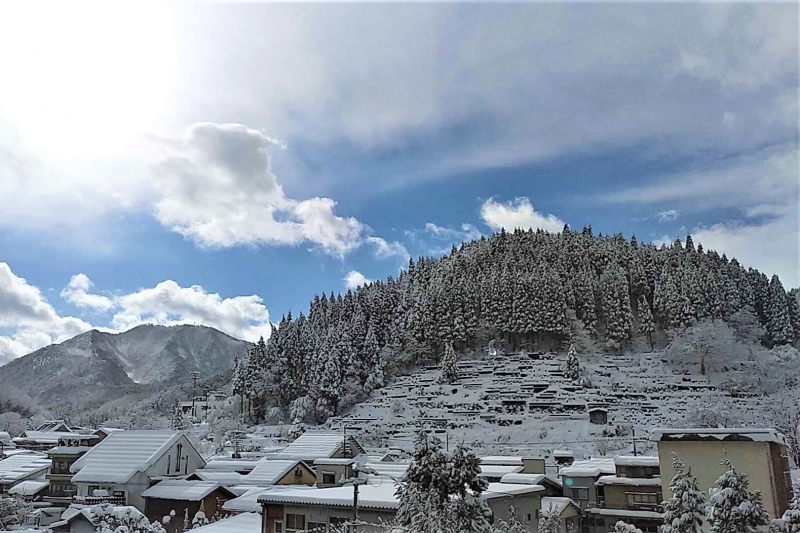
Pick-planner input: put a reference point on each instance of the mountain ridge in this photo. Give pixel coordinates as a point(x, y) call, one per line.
point(96, 366)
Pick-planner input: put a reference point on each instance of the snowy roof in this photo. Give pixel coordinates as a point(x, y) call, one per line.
point(589, 468)
point(247, 502)
point(529, 479)
point(22, 465)
point(556, 504)
point(310, 446)
point(501, 460)
point(334, 461)
point(180, 489)
point(629, 481)
point(51, 425)
point(231, 465)
point(636, 460)
point(47, 437)
point(627, 513)
point(499, 470)
point(270, 471)
point(241, 523)
point(226, 478)
point(387, 469)
point(29, 488)
point(122, 454)
point(563, 453)
point(725, 434)
point(381, 496)
point(68, 450)
point(500, 490)
point(94, 513)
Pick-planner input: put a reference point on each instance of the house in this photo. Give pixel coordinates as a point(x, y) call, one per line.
point(61, 490)
point(6, 443)
point(241, 523)
point(21, 467)
point(552, 486)
point(31, 490)
point(563, 457)
point(493, 468)
point(566, 509)
point(86, 519)
point(758, 452)
point(332, 472)
point(265, 472)
point(312, 445)
point(185, 498)
point(58, 426)
point(287, 509)
point(579, 479)
point(127, 463)
point(632, 494)
point(598, 415)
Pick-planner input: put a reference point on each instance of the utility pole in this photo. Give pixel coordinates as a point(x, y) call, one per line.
point(195, 376)
point(633, 434)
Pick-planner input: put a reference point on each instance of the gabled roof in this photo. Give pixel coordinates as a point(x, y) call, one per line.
point(29, 488)
point(381, 497)
point(589, 468)
point(247, 502)
point(225, 478)
point(180, 489)
point(231, 465)
point(530, 479)
point(122, 454)
point(22, 465)
point(501, 460)
point(499, 470)
point(44, 437)
point(241, 523)
point(270, 471)
point(53, 425)
point(557, 504)
point(311, 445)
point(93, 514)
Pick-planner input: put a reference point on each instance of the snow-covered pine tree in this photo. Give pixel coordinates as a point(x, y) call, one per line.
point(297, 428)
point(448, 365)
point(791, 517)
point(549, 523)
point(646, 324)
point(513, 524)
point(731, 507)
point(199, 520)
point(616, 305)
point(178, 421)
point(684, 511)
point(779, 324)
point(624, 527)
point(572, 367)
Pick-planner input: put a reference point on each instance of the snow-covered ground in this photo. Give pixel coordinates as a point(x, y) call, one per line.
point(518, 405)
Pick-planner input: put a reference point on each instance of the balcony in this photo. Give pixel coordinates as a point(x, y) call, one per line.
point(97, 500)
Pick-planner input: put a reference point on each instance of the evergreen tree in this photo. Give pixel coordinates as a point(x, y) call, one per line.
point(646, 325)
point(732, 508)
point(448, 365)
point(779, 321)
point(572, 367)
point(178, 421)
point(684, 510)
point(549, 523)
point(513, 524)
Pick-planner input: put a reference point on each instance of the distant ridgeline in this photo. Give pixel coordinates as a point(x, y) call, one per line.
point(526, 289)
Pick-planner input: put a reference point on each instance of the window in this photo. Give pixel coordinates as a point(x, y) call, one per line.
point(319, 527)
point(643, 498)
point(529, 515)
point(328, 478)
point(118, 494)
point(169, 462)
point(579, 494)
point(295, 522)
point(298, 472)
point(278, 526)
point(178, 459)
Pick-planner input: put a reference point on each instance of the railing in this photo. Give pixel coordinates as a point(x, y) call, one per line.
point(63, 493)
point(96, 500)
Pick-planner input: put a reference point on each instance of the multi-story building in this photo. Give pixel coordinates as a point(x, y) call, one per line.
point(760, 453)
point(632, 494)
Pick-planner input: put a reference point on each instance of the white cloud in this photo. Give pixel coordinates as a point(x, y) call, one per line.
point(243, 317)
point(385, 249)
point(518, 213)
point(667, 216)
point(77, 292)
point(355, 279)
point(468, 232)
point(216, 188)
point(30, 319)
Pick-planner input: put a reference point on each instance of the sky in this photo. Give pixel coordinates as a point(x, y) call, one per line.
point(221, 164)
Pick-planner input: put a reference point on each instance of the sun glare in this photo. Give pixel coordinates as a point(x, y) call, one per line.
point(81, 79)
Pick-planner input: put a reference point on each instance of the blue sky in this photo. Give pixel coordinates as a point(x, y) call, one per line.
point(221, 164)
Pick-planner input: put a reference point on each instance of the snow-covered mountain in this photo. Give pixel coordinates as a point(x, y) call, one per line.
point(96, 366)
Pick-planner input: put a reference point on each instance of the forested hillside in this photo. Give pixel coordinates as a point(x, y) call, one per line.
point(526, 289)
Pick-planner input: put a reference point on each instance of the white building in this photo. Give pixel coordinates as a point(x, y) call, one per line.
point(127, 462)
